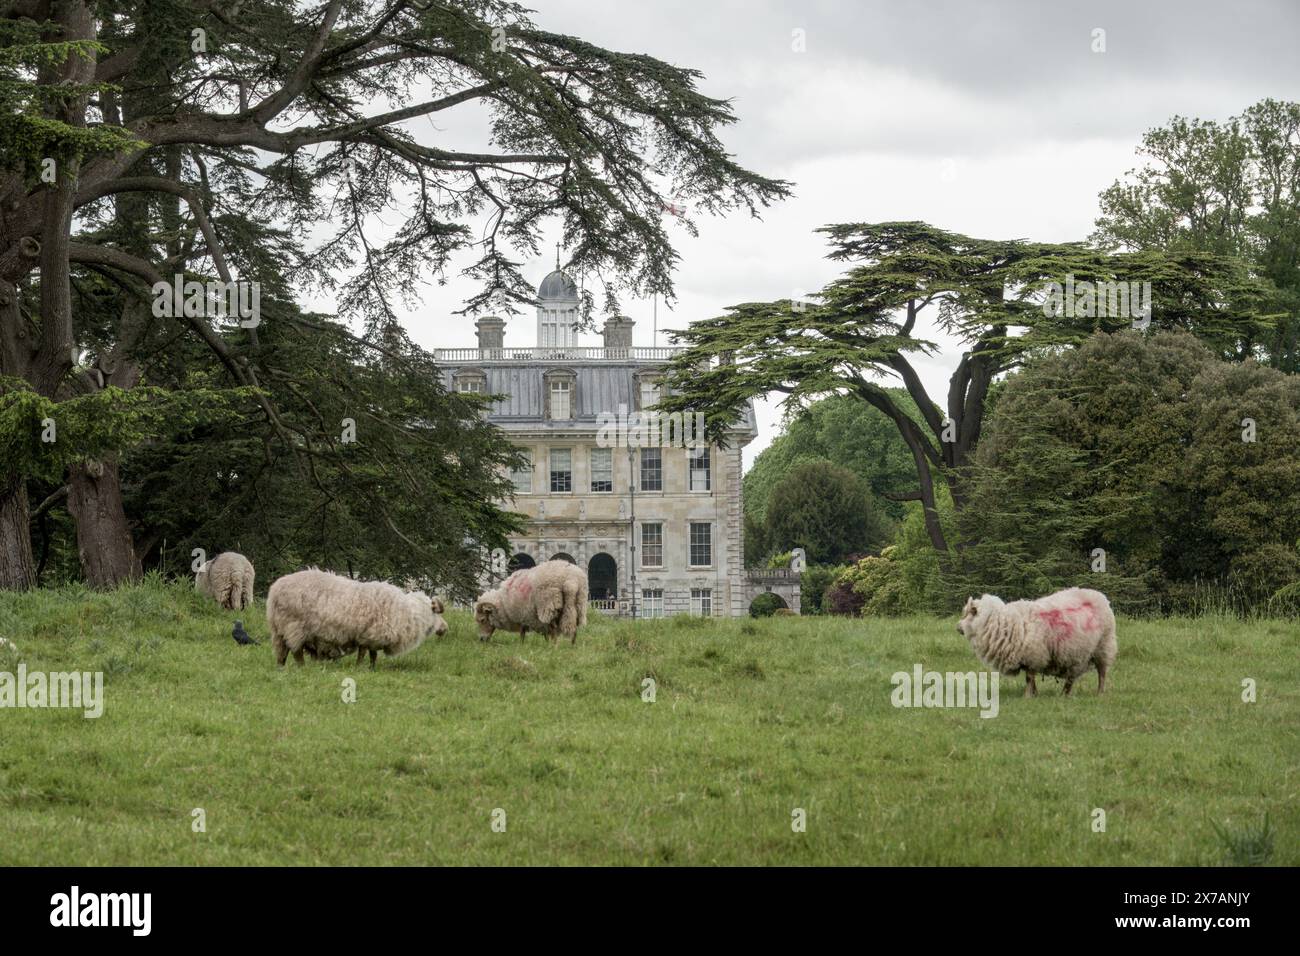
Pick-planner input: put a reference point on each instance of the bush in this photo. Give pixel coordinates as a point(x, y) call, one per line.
point(842, 600)
point(765, 605)
point(813, 585)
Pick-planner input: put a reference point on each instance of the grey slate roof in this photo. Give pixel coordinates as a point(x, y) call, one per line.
point(601, 387)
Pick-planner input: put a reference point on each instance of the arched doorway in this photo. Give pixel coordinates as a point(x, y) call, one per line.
point(766, 604)
point(561, 556)
point(602, 577)
point(520, 560)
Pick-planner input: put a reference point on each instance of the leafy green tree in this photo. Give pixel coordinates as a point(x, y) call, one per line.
point(222, 132)
point(846, 432)
point(1121, 465)
point(991, 295)
point(1230, 188)
point(826, 510)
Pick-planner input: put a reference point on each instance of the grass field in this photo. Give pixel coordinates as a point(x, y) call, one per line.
point(751, 720)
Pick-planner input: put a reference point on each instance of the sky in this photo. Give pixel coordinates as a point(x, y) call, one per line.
point(996, 119)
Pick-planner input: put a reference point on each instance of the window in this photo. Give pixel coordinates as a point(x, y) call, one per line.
point(561, 469)
point(652, 545)
point(652, 469)
point(652, 602)
point(701, 602)
point(649, 393)
point(602, 469)
point(471, 382)
point(523, 476)
point(700, 477)
point(561, 399)
point(701, 544)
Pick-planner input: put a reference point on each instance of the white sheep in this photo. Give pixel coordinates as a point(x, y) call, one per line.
point(229, 578)
point(1062, 635)
point(327, 615)
point(550, 598)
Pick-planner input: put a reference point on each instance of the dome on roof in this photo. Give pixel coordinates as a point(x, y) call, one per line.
point(557, 286)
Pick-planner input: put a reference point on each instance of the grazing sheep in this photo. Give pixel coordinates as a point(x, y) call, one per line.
point(551, 598)
point(327, 615)
point(573, 584)
point(1061, 635)
point(229, 578)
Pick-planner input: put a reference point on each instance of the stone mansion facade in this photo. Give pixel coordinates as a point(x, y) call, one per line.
point(655, 519)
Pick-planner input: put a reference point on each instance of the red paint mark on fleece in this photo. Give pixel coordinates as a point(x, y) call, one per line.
point(1065, 622)
point(519, 585)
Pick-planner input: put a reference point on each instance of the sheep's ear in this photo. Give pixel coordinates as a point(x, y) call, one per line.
point(437, 606)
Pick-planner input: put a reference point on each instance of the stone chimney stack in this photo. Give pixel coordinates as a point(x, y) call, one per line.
point(491, 332)
point(618, 332)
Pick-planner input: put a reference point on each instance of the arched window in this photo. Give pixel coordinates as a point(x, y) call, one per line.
point(602, 577)
point(519, 561)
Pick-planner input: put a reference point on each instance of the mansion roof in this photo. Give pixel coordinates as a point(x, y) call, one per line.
point(605, 381)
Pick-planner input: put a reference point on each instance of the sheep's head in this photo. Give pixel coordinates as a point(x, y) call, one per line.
point(974, 613)
point(439, 625)
point(485, 617)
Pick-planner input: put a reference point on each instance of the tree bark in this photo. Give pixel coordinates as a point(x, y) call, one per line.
point(17, 571)
point(104, 542)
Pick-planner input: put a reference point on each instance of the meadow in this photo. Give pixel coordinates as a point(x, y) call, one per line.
point(751, 721)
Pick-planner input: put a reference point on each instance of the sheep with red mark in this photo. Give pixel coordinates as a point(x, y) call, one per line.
point(1063, 635)
point(550, 598)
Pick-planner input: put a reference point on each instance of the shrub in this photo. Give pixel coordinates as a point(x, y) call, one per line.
point(813, 585)
point(765, 605)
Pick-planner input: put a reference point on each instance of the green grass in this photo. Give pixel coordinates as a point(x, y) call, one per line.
point(751, 720)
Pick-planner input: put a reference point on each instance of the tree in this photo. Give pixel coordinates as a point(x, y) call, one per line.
point(1230, 188)
point(849, 433)
point(1126, 462)
point(995, 296)
point(827, 511)
point(227, 118)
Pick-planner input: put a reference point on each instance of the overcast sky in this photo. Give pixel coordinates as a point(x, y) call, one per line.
point(994, 119)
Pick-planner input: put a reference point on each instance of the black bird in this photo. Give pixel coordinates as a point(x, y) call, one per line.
point(241, 635)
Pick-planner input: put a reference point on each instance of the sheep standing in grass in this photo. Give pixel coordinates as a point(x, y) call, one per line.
point(229, 578)
point(1062, 635)
point(328, 615)
point(573, 615)
point(550, 598)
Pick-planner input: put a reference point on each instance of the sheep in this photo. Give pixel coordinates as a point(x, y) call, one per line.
point(1061, 635)
point(551, 598)
point(573, 584)
point(327, 615)
point(229, 578)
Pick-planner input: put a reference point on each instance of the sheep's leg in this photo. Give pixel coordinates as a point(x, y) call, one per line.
point(1069, 683)
point(281, 649)
point(361, 655)
point(297, 656)
point(372, 658)
point(1101, 677)
point(523, 632)
point(1031, 688)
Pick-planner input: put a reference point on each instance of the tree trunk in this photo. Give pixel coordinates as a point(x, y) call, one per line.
point(104, 541)
point(17, 572)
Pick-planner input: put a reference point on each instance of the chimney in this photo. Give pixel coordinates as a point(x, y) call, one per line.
point(491, 332)
point(618, 332)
